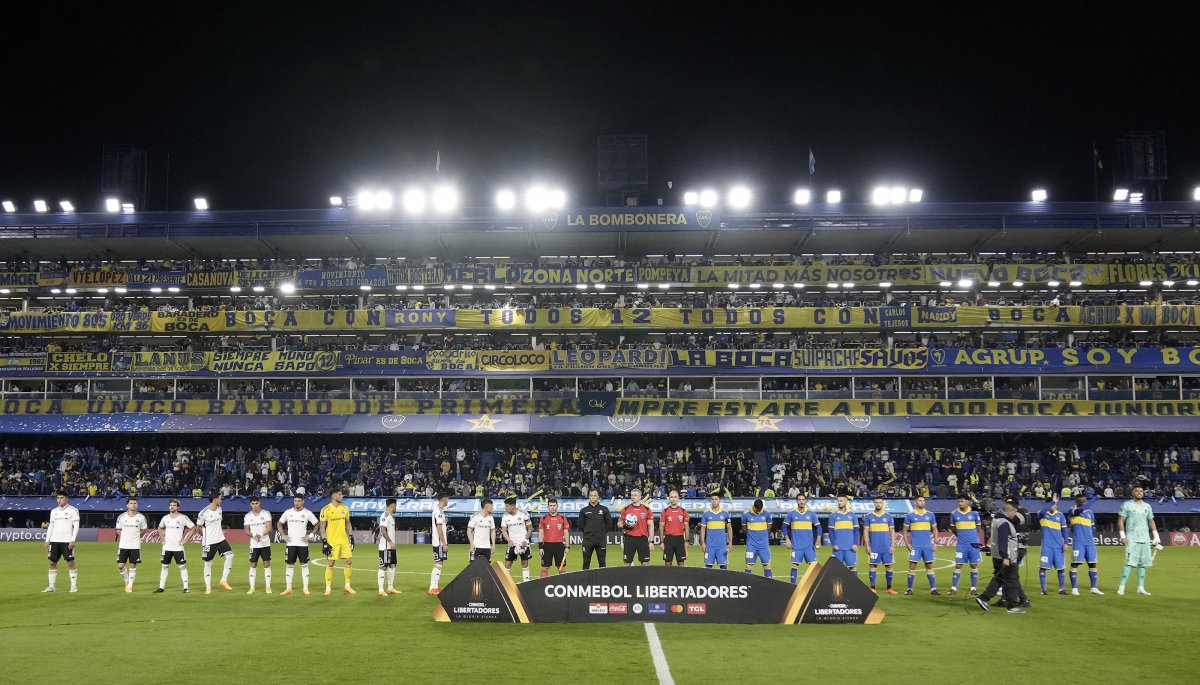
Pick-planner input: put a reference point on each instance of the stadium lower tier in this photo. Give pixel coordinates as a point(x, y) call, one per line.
point(531, 465)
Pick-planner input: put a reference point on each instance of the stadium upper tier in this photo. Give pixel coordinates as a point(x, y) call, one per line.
point(820, 227)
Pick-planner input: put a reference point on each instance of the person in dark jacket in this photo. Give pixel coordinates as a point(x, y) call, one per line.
point(595, 521)
point(1006, 559)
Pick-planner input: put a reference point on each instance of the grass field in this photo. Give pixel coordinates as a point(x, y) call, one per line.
point(102, 635)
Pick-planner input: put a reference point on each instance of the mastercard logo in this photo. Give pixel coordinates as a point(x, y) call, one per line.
point(676, 608)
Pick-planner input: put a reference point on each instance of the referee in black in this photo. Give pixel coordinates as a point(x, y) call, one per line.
point(594, 522)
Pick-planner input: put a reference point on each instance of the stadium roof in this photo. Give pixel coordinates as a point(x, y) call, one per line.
point(832, 229)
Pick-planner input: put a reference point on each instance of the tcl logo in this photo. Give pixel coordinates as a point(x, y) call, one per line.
point(697, 609)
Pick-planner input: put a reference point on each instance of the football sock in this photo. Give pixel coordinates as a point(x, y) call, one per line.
point(974, 579)
point(435, 576)
point(253, 576)
point(872, 575)
point(889, 575)
point(954, 580)
point(1141, 576)
point(53, 577)
point(380, 579)
point(132, 576)
point(1094, 576)
point(287, 576)
point(1042, 578)
point(304, 575)
point(911, 578)
point(183, 574)
point(328, 577)
point(768, 573)
point(391, 577)
point(208, 575)
point(347, 572)
point(162, 576)
point(932, 581)
point(524, 573)
point(74, 574)
point(1125, 574)
point(267, 577)
point(1062, 583)
point(795, 574)
point(227, 569)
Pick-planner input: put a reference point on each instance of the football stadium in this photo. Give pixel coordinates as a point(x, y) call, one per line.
point(501, 425)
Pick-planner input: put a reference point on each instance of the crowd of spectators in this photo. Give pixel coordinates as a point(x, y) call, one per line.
point(568, 466)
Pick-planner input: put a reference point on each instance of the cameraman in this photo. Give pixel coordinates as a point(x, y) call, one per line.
point(1006, 558)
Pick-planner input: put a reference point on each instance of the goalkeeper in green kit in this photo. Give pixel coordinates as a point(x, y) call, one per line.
point(1136, 526)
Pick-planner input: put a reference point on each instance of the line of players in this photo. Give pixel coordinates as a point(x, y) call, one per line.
point(802, 528)
point(298, 528)
point(802, 535)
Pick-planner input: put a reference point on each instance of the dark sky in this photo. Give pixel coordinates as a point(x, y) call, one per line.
point(266, 106)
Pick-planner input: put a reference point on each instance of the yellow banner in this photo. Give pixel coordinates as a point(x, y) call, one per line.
point(816, 318)
point(901, 359)
point(889, 408)
point(820, 275)
point(555, 407)
point(77, 362)
point(514, 360)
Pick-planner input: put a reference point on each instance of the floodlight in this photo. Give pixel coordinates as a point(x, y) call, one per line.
point(506, 199)
point(112, 205)
point(39, 206)
point(691, 197)
point(414, 200)
point(664, 286)
point(708, 198)
point(965, 283)
point(803, 196)
point(1193, 283)
point(201, 204)
point(993, 284)
point(1136, 197)
point(156, 290)
point(945, 284)
point(1018, 284)
point(102, 291)
point(72, 291)
point(173, 289)
point(885, 284)
point(468, 287)
point(127, 208)
point(798, 286)
point(831, 286)
point(739, 197)
point(384, 200)
point(1145, 284)
point(119, 291)
point(1168, 284)
point(445, 199)
point(898, 195)
point(67, 206)
point(402, 287)
point(755, 286)
point(365, 288)
point(833, 197)
point(1039, 195)
point(9, 206)
point(235, 289)
point(448, 286)
point(915, 195)
point(365, 200)
point(581, 286)
point(259, 289)
point(535, 199)
point(556, 198)
point(287, 288)
point(880, 196)
point(1196, 194)
point(418, 287)
point(777, 286)
point(847, 285)
point(1120, 194)
point(643, 286)
point(1053, 284)
point(335, 201)
point(1075, 284)
point(733, 286)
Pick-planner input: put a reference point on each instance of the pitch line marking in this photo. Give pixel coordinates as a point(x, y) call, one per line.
point(656, 653)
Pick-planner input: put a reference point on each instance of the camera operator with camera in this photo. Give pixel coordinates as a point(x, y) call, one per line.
point(1007, 549)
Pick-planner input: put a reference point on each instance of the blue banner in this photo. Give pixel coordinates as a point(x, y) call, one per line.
point(683, 218)
point(1063, 360)
point(340, 279)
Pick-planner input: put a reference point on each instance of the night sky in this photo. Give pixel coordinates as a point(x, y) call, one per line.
point(269, 106)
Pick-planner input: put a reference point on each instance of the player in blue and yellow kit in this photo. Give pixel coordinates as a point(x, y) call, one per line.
point(843, 533)
point(802, 534)
point(757, 523)
point(878, 535)
point(1083, 543)
point(968, 527)
point(716, 534)
point(920, 529)
point(1054, 545)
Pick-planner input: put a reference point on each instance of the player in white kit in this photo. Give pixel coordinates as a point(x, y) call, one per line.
point(481, 533)
point(172, 527)
point(60, 540)
point(213, 541)
point(259, 528)
point(387, 549)
point(437, 532)
point(515, 526)
point(130, 525)
point(294, 529)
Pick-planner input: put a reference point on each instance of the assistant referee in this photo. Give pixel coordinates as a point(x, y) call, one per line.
point(594, 522)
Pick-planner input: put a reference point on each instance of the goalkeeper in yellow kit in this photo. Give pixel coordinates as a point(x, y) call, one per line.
point(339, 540)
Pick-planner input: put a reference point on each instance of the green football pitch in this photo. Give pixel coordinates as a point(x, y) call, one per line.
point(103, 635)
